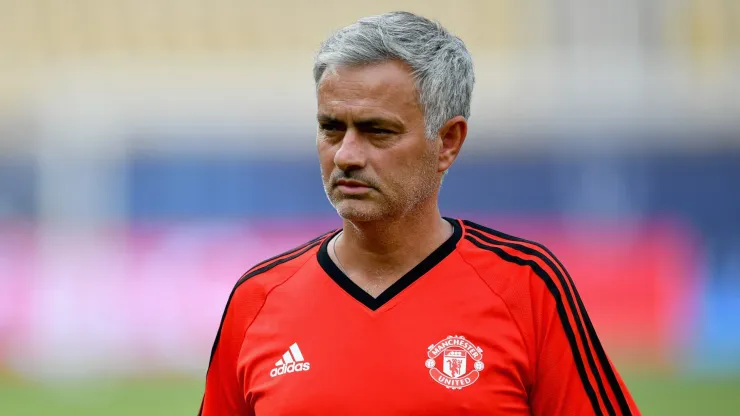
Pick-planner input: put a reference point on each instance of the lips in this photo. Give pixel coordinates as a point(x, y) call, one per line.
point(349, 183)
point(352, 188)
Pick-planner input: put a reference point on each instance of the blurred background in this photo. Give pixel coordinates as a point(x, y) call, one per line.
point(151, 151)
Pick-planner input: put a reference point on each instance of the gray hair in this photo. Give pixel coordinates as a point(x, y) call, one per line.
point(441, 64)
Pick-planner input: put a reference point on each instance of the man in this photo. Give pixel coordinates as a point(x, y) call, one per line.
point(402, 311)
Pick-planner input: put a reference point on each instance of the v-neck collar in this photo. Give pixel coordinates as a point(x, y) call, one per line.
point(405, 281)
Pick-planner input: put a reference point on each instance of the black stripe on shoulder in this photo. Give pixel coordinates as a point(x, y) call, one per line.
point(571, 303)
point(293, 250)
point(262, 268)
point(561, 313)
point(570, 295)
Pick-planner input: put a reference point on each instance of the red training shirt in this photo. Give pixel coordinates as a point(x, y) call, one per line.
point(488, 324)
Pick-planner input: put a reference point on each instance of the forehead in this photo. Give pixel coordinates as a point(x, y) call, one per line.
point(375, 89)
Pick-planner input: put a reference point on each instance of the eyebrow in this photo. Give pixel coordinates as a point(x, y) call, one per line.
point(363, 122)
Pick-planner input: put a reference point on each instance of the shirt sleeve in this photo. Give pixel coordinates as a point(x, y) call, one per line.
point(223, 392)
point(572, 374)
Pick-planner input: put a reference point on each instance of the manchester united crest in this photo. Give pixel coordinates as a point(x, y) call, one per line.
point(449, 360)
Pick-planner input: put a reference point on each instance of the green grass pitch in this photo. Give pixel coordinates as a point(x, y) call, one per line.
point(655, 394)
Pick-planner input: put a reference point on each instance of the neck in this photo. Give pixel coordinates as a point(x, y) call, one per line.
point(389, 248)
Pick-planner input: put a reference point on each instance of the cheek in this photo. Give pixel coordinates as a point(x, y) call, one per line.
point(400, 173)
point(326, 157)
point(413, 173)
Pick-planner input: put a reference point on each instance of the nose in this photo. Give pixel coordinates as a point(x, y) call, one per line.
point(351, 152)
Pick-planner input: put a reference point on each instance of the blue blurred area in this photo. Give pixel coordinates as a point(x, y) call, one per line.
point(17, 188)
point(699, 190)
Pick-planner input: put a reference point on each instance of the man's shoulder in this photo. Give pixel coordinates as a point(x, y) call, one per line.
point(270, 272)
point(487, 248)
point(516, 269)
point(485, 237)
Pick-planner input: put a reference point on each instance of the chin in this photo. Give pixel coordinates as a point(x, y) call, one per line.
point(359, 211)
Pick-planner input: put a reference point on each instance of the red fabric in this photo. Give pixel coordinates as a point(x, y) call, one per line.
point(490, 319)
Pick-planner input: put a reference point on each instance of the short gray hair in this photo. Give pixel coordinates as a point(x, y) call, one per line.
point(441, 64)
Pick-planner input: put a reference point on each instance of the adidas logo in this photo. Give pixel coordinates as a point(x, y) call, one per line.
point(291, 362)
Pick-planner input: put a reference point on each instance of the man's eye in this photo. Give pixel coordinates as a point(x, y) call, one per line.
point(330, 127)
point(379, 131)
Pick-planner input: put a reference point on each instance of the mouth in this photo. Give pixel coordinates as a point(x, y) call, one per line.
point(348, 186)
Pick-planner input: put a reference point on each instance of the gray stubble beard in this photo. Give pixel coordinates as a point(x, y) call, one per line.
point(424, 190)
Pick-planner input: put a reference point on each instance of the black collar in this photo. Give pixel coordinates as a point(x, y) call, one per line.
point(414, 274)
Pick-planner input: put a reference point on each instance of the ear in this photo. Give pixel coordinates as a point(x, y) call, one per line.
point(451, 136)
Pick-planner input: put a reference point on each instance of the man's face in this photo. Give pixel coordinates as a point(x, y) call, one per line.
point(376, 162)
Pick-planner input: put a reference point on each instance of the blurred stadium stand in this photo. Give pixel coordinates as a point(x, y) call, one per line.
point(151, 151)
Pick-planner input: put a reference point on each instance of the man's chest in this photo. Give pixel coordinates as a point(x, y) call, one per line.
point(445, 357)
